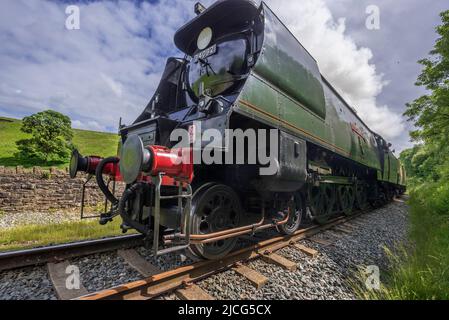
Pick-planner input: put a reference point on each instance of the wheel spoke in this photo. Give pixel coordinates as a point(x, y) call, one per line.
point(216, 209)
point(322, 205)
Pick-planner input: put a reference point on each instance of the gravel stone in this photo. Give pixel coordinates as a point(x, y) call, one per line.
point(165, 262)
point(30, 283)
point(327, 276)
point(324, 277)
point(14, 219)
point(105, 270)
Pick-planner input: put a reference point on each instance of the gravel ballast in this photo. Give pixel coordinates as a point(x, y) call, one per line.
point(327, 275)
point(105, 270)
point(15, 219)
point(323, 277)
point(30, 283)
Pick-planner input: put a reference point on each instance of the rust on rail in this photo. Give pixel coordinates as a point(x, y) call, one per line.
point(159, 284)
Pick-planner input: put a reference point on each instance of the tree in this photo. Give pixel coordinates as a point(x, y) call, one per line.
point(430, 113)
point(422, 164)
point(51, 136)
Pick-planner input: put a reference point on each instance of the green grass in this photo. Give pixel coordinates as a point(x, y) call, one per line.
point(30, 236)
point(421, 272)
point(88, 143)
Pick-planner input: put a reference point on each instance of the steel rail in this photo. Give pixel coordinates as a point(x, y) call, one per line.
point(168, 281)
point(30, 257)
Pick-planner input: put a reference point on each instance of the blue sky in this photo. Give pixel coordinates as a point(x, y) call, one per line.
point(110, 67)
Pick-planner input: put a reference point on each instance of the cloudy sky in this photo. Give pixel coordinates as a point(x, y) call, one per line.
point(110, 67)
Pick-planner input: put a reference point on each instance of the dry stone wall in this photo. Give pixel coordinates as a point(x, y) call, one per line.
point(39, 190)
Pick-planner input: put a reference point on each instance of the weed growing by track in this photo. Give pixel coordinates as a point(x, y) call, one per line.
point(420, 272)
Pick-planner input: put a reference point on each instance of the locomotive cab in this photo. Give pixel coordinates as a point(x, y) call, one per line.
point(220, 47)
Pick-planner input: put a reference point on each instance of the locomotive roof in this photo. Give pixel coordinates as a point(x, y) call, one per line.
point(238, 12)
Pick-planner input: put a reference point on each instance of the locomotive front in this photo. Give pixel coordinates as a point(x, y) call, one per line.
point(220, 46)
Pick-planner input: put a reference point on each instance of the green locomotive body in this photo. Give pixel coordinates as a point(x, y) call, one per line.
point(286, 90)
point(244, 70)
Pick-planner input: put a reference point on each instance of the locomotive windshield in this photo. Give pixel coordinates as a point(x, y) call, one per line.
point(219, 68)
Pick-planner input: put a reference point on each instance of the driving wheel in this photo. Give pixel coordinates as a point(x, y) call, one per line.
point(215, 208)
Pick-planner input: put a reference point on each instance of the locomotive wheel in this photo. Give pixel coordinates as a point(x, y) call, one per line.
point(346, 197)
point(361, 196)
point(296, 213)
point(215, 208)
point(390, 195)
point(321, 202)
point(382, 199)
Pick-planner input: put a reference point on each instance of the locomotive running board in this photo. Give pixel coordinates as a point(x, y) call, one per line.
point(185, 214)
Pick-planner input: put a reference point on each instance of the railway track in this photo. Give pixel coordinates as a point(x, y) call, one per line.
point(182, 280)
point(30, 257)
point(157, 283)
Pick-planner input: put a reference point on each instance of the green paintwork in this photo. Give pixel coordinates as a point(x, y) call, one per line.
point(286, 90)
point(280, 101)
point(393, 174)
point(287, 65)
point(215, 83)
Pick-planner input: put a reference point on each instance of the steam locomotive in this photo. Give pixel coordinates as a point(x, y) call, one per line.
point(242, 70)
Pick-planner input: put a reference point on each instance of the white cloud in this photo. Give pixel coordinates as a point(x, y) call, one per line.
point(342, 62)
point(106, 70)
point(88, 125)
point(109, 68)
point(116, 87)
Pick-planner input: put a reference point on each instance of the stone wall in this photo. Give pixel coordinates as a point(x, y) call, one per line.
point(39, 190)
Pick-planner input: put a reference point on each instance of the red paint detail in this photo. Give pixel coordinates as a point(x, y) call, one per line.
point(358, 131)
point(110, 169)
point(173, 163)
point(92, 164)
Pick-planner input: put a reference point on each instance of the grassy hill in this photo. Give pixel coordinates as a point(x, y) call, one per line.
point(87, 142)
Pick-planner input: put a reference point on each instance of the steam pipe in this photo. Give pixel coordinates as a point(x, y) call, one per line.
point(216, 234)
point(231, 233)
point(236, 234)
point(122, 208)
point(105, 163)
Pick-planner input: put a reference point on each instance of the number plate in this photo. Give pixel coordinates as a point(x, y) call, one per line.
point(206, 53)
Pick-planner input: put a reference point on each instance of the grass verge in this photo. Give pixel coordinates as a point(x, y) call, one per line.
point(30, 236)
point(421, 272)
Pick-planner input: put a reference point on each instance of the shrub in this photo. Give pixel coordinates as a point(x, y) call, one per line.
point(46, 175)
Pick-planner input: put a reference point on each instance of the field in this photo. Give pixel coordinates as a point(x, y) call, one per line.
point(87, 142)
